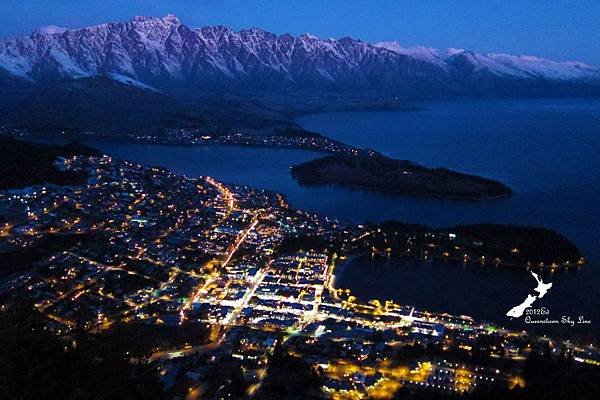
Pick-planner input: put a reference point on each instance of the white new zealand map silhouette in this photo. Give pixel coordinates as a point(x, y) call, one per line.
point(542, 288)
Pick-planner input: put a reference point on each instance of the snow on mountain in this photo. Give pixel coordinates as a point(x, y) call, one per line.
point(132, 82)
point(481, 62)
point(164, 53)
point(426, 54)
point(500, 64)
point(50, 30)
point(543, 68)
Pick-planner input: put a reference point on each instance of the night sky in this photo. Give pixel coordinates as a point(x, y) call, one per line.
point(557, 29)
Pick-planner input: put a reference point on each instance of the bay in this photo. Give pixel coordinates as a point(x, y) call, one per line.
point(546, 150)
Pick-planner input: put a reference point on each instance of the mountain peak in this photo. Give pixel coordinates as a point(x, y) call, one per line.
point(309, 36)
point(171, 19)
point(50, 30)
point(155, 52)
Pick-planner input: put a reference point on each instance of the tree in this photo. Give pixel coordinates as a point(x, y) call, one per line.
point(35, 364)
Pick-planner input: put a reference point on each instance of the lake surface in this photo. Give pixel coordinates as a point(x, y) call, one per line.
point(486, 292)
point(547, 151)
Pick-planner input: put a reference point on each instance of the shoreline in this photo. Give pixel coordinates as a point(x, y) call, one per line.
point(441, 309)
point(324, 145)
point(373, 171)
point(413, 195)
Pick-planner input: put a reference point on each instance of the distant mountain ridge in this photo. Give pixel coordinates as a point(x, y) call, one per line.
point(166, 55)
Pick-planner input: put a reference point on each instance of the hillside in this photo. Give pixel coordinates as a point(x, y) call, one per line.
point(155, 73)
point(25, 163)
point(165, 54)
point(377, 172)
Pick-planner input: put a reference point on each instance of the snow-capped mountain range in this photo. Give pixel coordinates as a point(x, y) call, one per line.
point(165, 55)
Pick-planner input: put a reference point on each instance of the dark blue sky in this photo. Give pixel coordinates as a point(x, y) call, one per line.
point(558, 29)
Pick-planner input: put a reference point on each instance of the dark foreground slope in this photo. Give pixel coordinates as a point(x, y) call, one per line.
point(103, 108)
point(24, 163)
point(372, 171)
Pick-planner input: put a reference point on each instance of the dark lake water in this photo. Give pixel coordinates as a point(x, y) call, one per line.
point(546, 150)
point(486, 292)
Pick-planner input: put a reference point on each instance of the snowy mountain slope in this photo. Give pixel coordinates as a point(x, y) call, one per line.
point(165, 54)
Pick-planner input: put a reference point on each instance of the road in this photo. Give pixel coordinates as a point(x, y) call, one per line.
point(186, 351)
point(198, 291)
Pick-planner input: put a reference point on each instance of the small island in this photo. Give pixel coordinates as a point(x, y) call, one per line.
point(370, 170)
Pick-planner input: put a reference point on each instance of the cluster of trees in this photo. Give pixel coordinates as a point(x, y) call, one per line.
point(139, 339)
point(374, 171)
point(289, 377)
point(293, 244)
point(36, 364)
point(25, 163)
point(512, 244)
point(533, 244)
point(22, 259)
